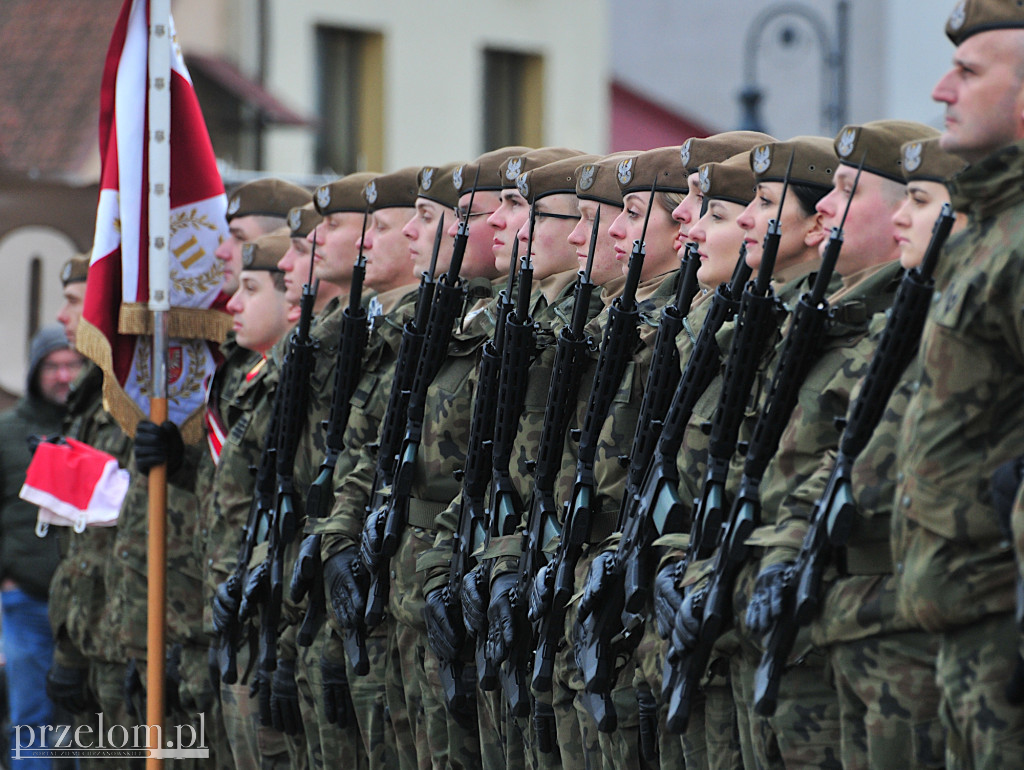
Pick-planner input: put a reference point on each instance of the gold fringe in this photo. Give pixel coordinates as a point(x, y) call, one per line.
point(188, 323)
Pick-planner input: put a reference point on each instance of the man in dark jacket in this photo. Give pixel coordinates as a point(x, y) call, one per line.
point(26, 561)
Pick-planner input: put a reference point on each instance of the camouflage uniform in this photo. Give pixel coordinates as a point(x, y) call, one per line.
point(955, 570)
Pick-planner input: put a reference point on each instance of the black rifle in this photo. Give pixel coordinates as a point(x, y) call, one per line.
point(684, 668)
point(352, 336)
point(834, 513)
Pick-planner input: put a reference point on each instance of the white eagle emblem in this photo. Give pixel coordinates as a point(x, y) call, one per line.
point(374, 308)
point(587, 176)
point(323, 197)
point(65, 274)
point(762, 159)
point(624, 171)
point(371, 191)
point(912, 157)
point(958, 16)
point(705, 179)
point(523, 184)
point(294, 219)
point(514, 168)
point(684, 152)
point(233, 205)
point(457, 179)
point(248, 254)
point(427, 178)
point(847, 142)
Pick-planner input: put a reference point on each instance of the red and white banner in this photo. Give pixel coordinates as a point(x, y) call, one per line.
point(116, 324)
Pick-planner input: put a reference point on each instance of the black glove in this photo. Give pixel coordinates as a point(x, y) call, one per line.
point(68, 688)
point(370, 540)
point(541, 591)
point(647, 710)
point(544, 726)
point(172, 679)
point(134, 691)
point(443, 628)
point(158, 444)
point(338, 705)
point(769, 592)
point(595, 585)
point(686, 629)
point(667, 596)
point(255, 592)
point(500, 621)
point(307, 563)
point(260, 689)
point(1004, 485)
point(342, 573)
point(474, 598)
point(284, 699)
point(225, 606)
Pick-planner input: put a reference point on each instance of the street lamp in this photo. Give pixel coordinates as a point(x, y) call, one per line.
point(833, 51)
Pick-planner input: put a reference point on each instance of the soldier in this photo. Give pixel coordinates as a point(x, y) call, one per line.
point(296, 262)
point(954, 567)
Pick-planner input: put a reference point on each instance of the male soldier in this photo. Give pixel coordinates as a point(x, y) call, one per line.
point(297, 261)
point(954, 567)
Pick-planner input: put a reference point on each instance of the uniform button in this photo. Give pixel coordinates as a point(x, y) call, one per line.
point(906, 501)
point(392, 574)
point(899, 568)
point(124, 553)
point(84, 565)
point(936, 297)
point(209, 562)
point(899, 476)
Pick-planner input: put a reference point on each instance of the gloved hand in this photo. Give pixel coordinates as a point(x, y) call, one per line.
point(501, 623)
point(172, 679)
point(668, 595)
point(284, 699)
point(1004, 485)
point(474, 598)
point(342, 585)
point(158, 444)
point(337, 697)
point(307, 564)
point(596, 583)
point(544, 726)
point(225, 605)
point(769, 593)
point(134, 691)
point(68, 688)
point(541, 591)
point(255, 592)
point(443, 627)
point(686, 629)
point(261, 689)
point(370, 541)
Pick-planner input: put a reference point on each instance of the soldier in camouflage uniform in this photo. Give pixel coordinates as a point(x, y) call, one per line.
point(955, 569)
point(296, 263)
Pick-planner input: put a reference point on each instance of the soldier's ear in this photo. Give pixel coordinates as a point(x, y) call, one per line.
point(816, 232)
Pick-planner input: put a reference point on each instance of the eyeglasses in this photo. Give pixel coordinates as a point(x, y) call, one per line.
point(460, 214)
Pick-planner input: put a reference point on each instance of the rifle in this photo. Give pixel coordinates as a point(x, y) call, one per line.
point(620, 341)
point(348, 368)
point(449, 297)
point(834, 513)
point(684, 668)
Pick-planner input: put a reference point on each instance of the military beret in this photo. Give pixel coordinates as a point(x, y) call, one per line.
point(345, 194)
point(638, 173)
point(814, 161)
point(302, 220)
point(597, 181)
point(394, 190)
point(266, 198)
point(731, 180)
point(485, 170)
point(697, 151)
point(517, 164)
point(75, 270)
point(879, 143)
point(265, 252)
point(435, 183)
point(551, 179)
point(924, 159)
point(969, 17)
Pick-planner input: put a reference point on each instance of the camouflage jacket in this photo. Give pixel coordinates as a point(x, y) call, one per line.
point(966, 416)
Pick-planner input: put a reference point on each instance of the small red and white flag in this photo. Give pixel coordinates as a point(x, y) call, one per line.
point(116, 323)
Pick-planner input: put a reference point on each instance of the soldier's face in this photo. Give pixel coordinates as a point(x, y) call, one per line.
point(295, 266)
point(606, 266)
point(387, 251)
point(915, 217)
point(259, 310)
point(660, 239)
point(718, 237)
point(800, 235)
point(71, 311)
point(241, 230)
point(478, 261)
point(336, 246)
point(984, 94)
point(553, 220)
point(869, 237)
point(688, 210)
point(421, 230)
point(511, 213)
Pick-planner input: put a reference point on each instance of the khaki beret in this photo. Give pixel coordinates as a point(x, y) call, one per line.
point(926, 160)
point(597, 181)
point(731, 180)
point(551, 179)
point(814, 161)
point(265, 252)
point(435, 183)
point(697, 151)
point(969, 17)
point(75, 270)
point(302, 220)
point(513, 166)
point(639, 172)
point(485, 170)
point(345, 194)
point(879, 143)
point(394, 190)
point(266, 198)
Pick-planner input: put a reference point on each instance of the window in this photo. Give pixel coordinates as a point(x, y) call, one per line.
point(351, 100)
point(513, 99)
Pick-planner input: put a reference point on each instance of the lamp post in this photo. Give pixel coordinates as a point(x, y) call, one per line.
point(833, 53)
